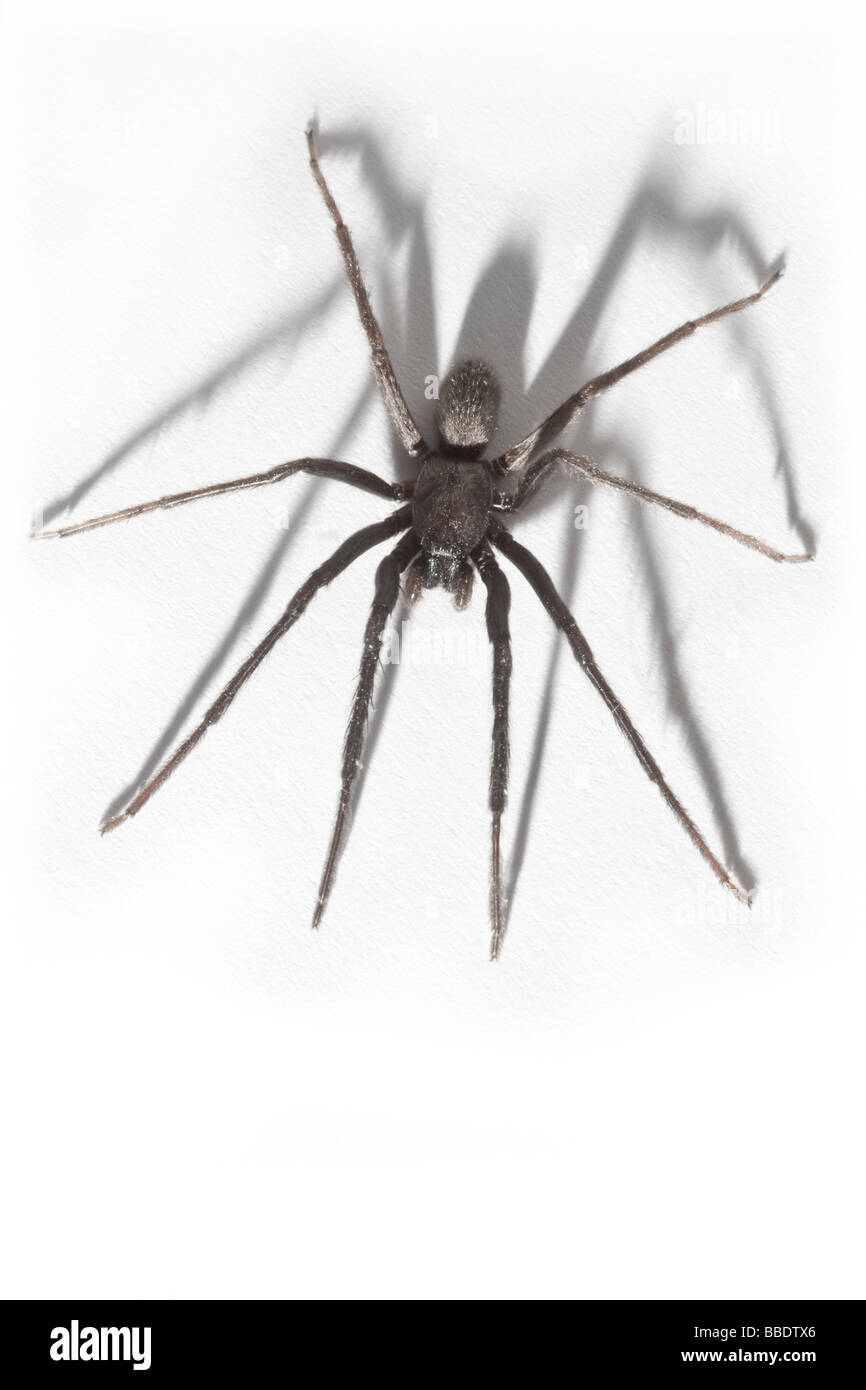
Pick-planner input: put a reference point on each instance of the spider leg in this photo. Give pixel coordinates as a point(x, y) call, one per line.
point(385, 597)
point(498, 604)
point(401, 417)
point(323, 468)
point(518, 454)
point(586, 469)
point(342, 557)
point(540, 580)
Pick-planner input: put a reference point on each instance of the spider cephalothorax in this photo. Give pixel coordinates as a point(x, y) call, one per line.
point(448, 524)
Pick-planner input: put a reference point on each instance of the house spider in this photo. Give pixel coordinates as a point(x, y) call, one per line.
point(449, 526)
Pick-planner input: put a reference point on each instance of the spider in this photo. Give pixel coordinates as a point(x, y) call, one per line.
point(449, 527)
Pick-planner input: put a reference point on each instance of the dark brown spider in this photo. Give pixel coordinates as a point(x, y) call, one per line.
point(448, 524)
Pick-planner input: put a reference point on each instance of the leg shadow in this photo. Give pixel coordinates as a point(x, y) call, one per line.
point(656, 209)
point(245, 615)
point(287, 328)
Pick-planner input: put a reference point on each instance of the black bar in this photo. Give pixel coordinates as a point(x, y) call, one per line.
point(242, 1341)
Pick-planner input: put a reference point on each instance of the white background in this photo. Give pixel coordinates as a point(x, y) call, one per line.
point(653, 1093)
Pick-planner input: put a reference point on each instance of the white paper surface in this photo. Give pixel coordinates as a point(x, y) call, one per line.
point(651, 1093)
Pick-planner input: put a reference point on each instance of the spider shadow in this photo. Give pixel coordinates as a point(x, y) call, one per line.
point(277, 336)
point(403, 215)
point(280, 335)
point(245, 615)
point(654, 209)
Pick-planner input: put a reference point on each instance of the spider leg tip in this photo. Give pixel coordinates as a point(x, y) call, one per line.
point(113, 823)
point(740, 893)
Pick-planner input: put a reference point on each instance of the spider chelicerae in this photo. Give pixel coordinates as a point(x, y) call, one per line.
point(449, 527)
